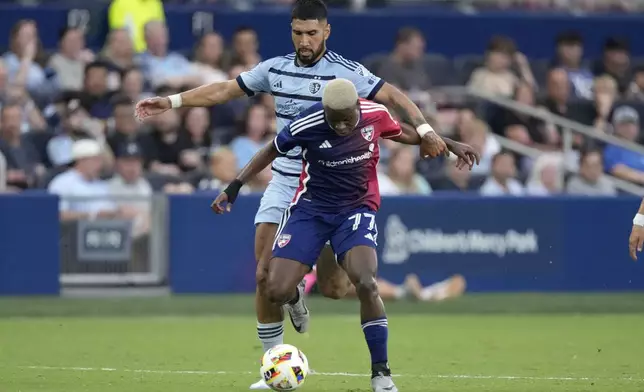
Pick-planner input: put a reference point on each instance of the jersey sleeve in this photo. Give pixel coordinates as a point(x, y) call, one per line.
point(256, 79)
point(389, 126)
point(285, 141)
point(367, 84)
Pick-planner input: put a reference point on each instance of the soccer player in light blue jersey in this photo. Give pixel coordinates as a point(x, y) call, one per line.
point(296, 81)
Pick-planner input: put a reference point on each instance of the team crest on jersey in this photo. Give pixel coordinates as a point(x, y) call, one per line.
point(367, 133)
point(283, 240)
point(314, 87)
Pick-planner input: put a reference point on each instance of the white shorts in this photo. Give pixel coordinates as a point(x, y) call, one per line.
point(277, 197)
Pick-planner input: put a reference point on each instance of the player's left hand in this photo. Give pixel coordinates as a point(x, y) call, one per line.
point(467, 155)
point(636, 241)
point(432, 146)
point(218, 204)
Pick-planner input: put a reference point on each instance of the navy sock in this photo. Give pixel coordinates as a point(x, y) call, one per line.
point(376, 334)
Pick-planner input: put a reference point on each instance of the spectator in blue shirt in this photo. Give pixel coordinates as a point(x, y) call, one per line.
point(570, 49)
point(621, 162)
point(254, 130)
point(161, 67)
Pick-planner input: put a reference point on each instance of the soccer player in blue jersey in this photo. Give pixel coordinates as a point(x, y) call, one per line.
point(296, 81)
point(336, 201)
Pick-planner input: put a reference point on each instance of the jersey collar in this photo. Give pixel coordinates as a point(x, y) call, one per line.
point(312, 64)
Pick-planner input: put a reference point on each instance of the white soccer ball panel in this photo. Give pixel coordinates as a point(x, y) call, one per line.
point(284, 368)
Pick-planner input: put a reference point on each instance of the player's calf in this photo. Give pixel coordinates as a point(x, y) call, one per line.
point(361, 264)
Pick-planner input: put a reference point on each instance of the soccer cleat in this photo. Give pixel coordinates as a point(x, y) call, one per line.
point(381, 383)
point(298, 312)
point(261, 384)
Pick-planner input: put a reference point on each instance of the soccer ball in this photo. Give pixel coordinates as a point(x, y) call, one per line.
point(284, 368)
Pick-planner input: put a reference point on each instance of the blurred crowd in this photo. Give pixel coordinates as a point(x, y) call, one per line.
point(67, 119)
point(466, 5)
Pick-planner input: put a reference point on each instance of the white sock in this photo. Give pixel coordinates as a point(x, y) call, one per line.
point(437, 291)
point(270, 334)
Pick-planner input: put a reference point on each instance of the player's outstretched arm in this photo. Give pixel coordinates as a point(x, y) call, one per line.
point(432, 145)
point(636, 239)
point(466, 154)
point(225, 200)
point(202, 96)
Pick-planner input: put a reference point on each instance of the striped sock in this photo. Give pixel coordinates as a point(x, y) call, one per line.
point(270, 334)
point(376, 334)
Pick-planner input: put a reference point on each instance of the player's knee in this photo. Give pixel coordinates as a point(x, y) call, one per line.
point(277, 292)
point(261, 275)
point(367, 287)
point(336, 290)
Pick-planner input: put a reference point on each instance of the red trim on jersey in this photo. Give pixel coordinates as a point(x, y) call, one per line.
point(301, 188)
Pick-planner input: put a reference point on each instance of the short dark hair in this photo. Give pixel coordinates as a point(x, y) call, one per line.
point(500, 154)
point(501, 43)
point(121, 100)
point(309, 9)
point(63, 32)
point(615, 43)
point(164, 90)
point(586, 153)
point(244, 29)
point(569, 38)
point(129, 70)
point(95, 65)
point(405, 34)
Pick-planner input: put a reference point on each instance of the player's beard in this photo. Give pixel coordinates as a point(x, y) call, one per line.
point(310, 59)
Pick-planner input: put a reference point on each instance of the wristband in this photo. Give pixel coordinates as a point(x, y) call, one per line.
point(424, 130)
point(232, 190)
point(638, 220)
point(175, 100)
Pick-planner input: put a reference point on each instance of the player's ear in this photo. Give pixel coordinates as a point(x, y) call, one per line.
point(327, 31)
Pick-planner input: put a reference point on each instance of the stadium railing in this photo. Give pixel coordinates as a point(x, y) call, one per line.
point(569, 128)
point(116, 252)
point(3, 172)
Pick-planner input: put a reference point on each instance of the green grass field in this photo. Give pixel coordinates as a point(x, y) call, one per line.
point(518, 343)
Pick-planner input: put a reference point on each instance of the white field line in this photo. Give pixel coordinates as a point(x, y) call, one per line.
point(333, 374)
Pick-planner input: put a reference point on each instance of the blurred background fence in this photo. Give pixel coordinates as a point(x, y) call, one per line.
point(499, 244)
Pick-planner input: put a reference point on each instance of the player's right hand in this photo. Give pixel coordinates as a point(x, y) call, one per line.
point(636, 241)
point(221, 204)
point(151, 107)
point(432, 146)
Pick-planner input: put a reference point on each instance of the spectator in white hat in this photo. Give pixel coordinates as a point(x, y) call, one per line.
point(621, 162)
point(83, 195)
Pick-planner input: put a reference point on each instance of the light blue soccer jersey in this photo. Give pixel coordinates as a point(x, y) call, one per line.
point(296, 88)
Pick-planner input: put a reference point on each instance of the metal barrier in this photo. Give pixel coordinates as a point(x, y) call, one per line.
point(118, 250)
point(3, 172)
point(569, 127)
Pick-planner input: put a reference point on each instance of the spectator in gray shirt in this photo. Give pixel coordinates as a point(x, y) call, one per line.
point(404, 67)
point(591, 180)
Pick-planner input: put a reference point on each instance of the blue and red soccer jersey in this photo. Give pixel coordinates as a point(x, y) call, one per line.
point(338, 193)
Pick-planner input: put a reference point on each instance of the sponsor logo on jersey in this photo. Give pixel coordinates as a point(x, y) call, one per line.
point(347, 161)
point(360, 71)
point(283, 240)
point(314, 87)
point(277, 84)
point(367, 133)
point(288, 108)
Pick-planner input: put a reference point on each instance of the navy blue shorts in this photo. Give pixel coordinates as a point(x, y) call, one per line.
point(302, 234)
